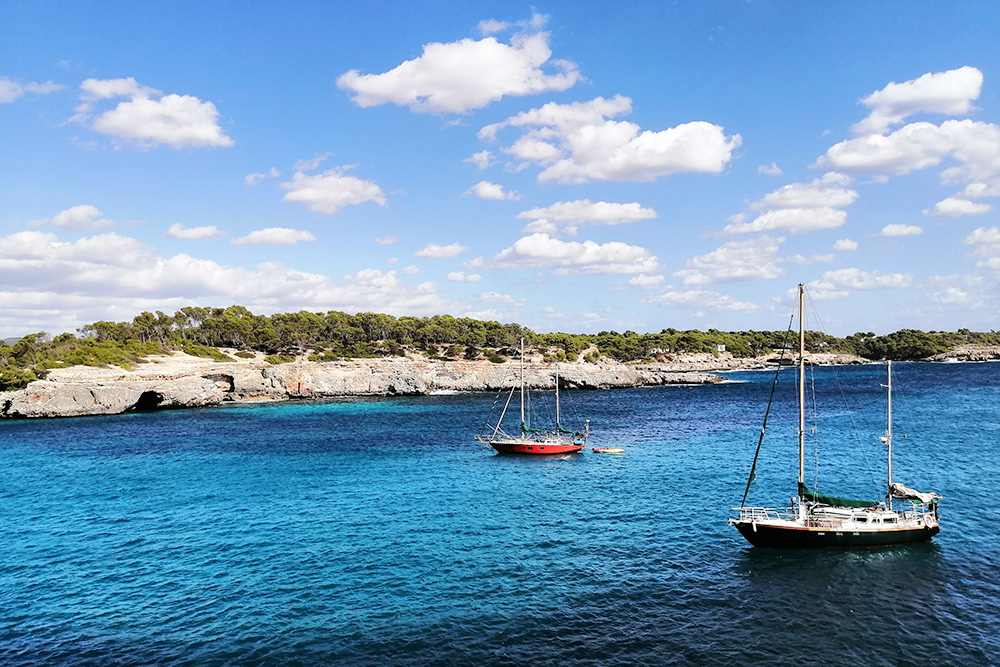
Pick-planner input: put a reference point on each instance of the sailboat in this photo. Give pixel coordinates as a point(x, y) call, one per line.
point(529, 440)
point(816, 521)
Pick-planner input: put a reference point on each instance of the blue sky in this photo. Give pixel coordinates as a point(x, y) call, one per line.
point(570, 166)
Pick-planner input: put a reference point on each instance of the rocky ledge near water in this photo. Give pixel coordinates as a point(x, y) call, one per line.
point(182, 381)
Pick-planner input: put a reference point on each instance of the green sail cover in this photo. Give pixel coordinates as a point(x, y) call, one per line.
point(808, 494)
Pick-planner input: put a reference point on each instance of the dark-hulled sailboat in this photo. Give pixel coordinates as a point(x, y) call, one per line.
point(817, 521)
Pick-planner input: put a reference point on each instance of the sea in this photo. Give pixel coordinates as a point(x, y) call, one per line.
point(376, 531)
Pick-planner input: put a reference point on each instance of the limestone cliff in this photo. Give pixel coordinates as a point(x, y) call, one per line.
point(179, 381)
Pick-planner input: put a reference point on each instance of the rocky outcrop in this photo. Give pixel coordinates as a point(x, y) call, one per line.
point(179, 381)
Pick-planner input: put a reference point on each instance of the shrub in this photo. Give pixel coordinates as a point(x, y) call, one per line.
point(275, 359)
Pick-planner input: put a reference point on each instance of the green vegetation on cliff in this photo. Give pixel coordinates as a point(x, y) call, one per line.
point(337, 335)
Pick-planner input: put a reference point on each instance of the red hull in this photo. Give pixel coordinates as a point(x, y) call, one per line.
point(535, 448)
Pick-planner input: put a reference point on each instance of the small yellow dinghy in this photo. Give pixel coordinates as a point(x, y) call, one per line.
point(609, 450)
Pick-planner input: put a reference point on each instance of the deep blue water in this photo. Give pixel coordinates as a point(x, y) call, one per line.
point(376, 532)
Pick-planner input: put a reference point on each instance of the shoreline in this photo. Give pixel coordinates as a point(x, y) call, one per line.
point(179, 380)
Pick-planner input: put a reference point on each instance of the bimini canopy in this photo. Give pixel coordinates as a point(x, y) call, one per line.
point(808, 494)
point(906, 493)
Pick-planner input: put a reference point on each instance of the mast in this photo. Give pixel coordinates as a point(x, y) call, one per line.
point(888, 425)
point(802, 383)
point(522, 385)
point(557, 399)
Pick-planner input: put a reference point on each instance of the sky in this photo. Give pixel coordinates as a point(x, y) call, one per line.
point(576, 167)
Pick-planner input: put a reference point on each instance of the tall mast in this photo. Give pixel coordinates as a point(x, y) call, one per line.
point(557, 398)
point(888, 424)
point(802, 383)
point(522, 385)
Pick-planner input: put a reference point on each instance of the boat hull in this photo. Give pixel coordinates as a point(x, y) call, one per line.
point(787, 537)
point(536, 448)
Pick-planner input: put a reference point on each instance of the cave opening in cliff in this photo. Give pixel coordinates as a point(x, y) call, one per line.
point(148, 400)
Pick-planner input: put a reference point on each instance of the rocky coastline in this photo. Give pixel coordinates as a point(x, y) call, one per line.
point(182, 381)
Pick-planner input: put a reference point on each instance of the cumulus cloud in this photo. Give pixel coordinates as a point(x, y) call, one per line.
point(836, 284)
point(80, 218)
point(770, 169)
point(148, 118)
point(845, 244)
point(274, 236)
point(949, 93)
point(794, 220)
point(700, 299)
point(497, 297)
point(642, 281)
point(987, 244)
point(331, 191)
point(469, 74)
point(256, 177)
point(11, 91)
point(105, 276)
point(901, 230)
point(435, 251)
point(754, 259)
point(824, 192)
point(570, 215)
point(579, 142)
point(492, 191)
point(462, 277)
point(953, 207)
point(482, 159)
point(179, 231)
point(541, 251)
point(386, 240)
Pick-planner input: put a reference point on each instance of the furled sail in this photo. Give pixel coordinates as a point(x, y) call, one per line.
point(906, 493)
point(808, 494)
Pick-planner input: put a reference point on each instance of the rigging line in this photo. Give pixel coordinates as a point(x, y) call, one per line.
point(770, 400)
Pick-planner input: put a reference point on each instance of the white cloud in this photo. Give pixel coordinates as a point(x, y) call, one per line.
point(770, 169)
point(331, 190)
point(497, 297)
point(901, 230)
point(80, 218)
point(462, 277)
point(950, 295)
point(274, 236)
point(178, 121)
point(987, 244)
point(701, 299)
point(642, 281)
point(954, 208)
point(256, 177)
point(435, 251)
point(113, 277)
point(386, 240)
point(468, 74)
point(11, 91)
point(541, 251)
point(838, 282)
point(482, 159)
point(578, 142)
point(845, 244)
point(974, 145)
point(754, 259)
point(950, 93)
point(583, 212)
point(179, 231)
point(491, 191)
point(412, 269)
point(794, 220)
point(822, 192)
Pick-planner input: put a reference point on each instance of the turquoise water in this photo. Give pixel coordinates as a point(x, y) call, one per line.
point(376, 532)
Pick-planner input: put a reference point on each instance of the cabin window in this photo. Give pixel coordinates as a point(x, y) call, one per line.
point(890, 519)
point(860, 519)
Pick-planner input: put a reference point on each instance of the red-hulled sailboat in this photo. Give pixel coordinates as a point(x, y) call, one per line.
point(530, 440)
